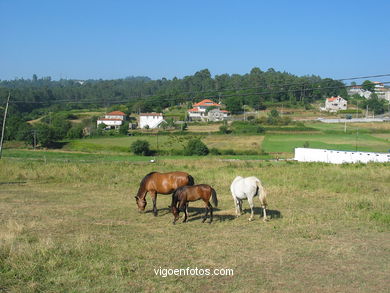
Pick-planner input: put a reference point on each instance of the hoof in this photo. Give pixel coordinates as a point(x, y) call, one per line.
point(250, 219)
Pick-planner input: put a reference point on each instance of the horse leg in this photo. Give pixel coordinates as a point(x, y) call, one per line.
point(211, 212)
point(264, 206)
point(250, 201)
point(207, 212)
point(237, 206)
point(153, 194)
point(240, 206)
point(265, 214)
point(185, 213)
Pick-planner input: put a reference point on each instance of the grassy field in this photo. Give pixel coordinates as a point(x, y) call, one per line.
point(72, 227)
point(166, 142)
point(351, 141)
point(370, 137)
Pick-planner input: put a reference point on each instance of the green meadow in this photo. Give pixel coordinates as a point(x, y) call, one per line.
point(280, 139)
point(73, 226)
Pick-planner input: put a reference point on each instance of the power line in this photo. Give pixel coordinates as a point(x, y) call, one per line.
point(162, 98)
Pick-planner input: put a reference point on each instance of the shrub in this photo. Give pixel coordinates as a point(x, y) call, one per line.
point(140, 147)
point(224, 129)
point(260, 129)
point(75, 132)
point(196, 147)
point(215, 152)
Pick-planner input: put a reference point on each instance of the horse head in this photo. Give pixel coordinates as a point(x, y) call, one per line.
point(141, 203)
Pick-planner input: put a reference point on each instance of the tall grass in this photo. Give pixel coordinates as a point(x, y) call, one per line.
point(75, 227)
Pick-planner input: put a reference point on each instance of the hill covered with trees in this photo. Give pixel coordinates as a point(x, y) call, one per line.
point(48, 99)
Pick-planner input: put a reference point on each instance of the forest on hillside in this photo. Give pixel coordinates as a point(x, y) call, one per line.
point(254, 89)
point(50, 101)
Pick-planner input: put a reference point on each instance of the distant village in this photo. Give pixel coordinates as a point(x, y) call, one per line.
point(208, 110)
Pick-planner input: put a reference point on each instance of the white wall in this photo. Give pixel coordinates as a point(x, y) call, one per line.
point(338, 157)
point(152, 121)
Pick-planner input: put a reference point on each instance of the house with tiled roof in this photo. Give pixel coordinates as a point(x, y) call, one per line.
point(207, 110)
point(334, 104)
point(112, 120)
point(150, 120)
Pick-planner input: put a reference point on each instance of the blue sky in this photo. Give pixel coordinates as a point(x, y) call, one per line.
point(114, 39)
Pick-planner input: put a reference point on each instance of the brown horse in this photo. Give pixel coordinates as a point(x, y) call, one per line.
point(185, 194)
point(164, 183)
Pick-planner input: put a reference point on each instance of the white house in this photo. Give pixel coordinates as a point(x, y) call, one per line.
point(152, 120)
point(112, 120)
point(359, 91)
point(199, 111)
point(335, 104)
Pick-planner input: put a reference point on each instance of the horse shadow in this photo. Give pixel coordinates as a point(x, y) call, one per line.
point(197, 213)
point(273, 214)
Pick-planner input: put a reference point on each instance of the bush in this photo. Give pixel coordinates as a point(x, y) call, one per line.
point(75, 132)
point(196, 147)
point(215, 152)
point(224, 129)
point(140, 147)
point(260, 129)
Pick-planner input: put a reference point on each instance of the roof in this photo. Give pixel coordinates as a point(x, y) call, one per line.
point(193, 110)
point(207, 102)
point(110, 119)
point(150, 114)
point(119, 113)
point(333, 99)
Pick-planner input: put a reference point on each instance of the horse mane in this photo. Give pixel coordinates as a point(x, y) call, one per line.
point(143, 181)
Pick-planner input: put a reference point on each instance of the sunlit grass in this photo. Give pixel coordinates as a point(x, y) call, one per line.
point(74, 227)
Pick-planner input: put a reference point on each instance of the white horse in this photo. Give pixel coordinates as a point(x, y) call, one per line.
point(248, 187)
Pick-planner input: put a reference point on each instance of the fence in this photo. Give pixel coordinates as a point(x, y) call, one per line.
point(339, 157)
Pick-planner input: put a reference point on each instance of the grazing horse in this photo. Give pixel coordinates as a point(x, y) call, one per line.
point(164, 183)
point(249, 187)
point(185, 194)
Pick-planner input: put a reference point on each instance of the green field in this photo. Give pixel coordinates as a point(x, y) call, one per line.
point(72, 227)
point(275, 140)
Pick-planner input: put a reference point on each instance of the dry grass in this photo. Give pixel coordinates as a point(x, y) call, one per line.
point(204, 128)
point(373, 125)
point(247, 142)
point(75, 227)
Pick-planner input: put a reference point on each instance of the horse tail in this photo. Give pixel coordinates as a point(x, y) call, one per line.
point(262, 193)
point(214, 197)
point(191, 180)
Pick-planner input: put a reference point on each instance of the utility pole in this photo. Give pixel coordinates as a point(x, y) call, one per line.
point(3, 128)
point(35, 138)
point(357, 109)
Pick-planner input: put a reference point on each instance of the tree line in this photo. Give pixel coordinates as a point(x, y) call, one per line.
point(43, 97)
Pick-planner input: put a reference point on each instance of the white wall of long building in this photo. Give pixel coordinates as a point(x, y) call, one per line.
point(339, 157)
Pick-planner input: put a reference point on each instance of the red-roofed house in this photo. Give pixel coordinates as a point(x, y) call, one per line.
point(112, 120)
point(335, 104)
point(199, 111)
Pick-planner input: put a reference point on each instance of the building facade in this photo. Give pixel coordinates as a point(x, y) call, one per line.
point(150, 120)
point(112, 120)
point(335, 104)
point(207, 110)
